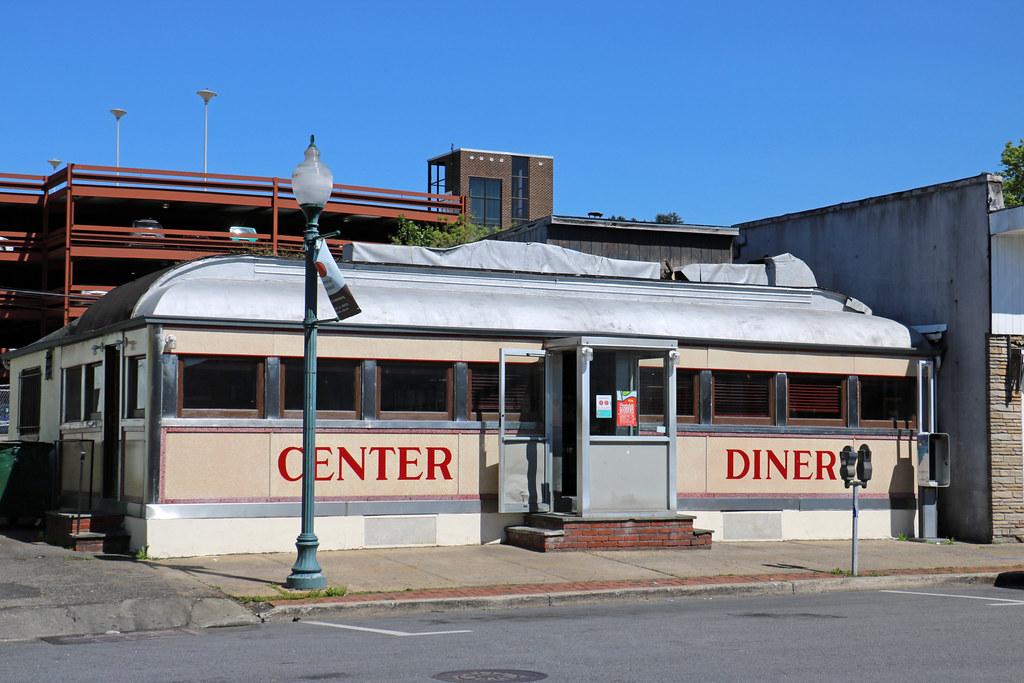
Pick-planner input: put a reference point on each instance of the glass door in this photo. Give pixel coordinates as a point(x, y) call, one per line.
point(524, 455)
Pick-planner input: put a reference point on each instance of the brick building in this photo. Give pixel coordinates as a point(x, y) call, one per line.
point(502, 188)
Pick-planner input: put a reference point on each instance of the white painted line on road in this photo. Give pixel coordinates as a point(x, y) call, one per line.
point(993, 602)
point(382, 631)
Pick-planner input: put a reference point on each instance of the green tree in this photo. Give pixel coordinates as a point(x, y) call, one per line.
point(1013, 174)
point(440, 236)
point(670, 218)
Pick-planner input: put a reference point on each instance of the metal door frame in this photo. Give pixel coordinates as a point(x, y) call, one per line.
point(545, 500)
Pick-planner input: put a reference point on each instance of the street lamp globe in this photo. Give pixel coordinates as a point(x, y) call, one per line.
point(312, 181)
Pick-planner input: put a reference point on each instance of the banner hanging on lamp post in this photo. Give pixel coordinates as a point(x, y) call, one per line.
point(338, 291)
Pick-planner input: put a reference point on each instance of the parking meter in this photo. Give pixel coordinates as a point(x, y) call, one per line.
point(848, 465)
point(864, 464)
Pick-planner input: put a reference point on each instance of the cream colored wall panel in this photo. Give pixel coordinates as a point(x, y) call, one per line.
point(692, 462)
point(885, 366)
point(792, 465)
point(779, 361)
point(459, 529)
point(487, 351)
point(835, 524)
point(483, 452)
point(192, 537)
point(136, 342)
point(214, 466)
point(368, 464)
point(218, 343)
point(693, 358)
point(473, 452)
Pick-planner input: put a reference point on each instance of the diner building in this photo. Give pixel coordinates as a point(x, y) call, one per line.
point(478, 385)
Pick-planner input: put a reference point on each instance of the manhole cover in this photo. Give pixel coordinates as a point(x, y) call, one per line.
point(490, 675)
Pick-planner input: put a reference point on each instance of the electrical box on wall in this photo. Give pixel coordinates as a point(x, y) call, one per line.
point(933, 459)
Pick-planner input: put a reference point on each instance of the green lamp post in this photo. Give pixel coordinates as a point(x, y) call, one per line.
point(312, 184)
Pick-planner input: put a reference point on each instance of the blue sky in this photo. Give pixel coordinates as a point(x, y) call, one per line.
point(722, 112)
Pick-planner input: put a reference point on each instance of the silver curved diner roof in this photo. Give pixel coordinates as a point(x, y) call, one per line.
point(270, 290)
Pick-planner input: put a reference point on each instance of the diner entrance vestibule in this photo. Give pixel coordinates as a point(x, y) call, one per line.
point(603, 440)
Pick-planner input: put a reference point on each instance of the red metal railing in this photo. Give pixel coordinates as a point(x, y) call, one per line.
point(62, 239)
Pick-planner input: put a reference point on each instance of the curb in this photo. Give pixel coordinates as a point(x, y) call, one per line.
point(286, 612)
point(137, 614)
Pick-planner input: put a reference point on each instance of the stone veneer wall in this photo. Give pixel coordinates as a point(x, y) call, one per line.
point(1005, 445)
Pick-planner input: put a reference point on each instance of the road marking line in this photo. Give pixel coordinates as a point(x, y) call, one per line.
point(993, 602)
point(382, 631)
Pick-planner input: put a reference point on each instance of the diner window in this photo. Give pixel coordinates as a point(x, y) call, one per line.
point(485, 201)
point(817, 399)
point(524, 391)
point(93, 395)
point(742, 397)
point(73, 394)
point(415, 391)
point(135, 388)
point(652, 395)
point(888, 402)
point(29, 396)
point(220, 387)
point(337, 388)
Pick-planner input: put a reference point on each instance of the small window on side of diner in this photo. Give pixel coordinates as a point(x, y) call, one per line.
point(92, 407)
point(135, 387)
point(524, 392)
point(337, 388)
point(73, 394)
point(743, 398)
point(414, 390)
point(652, 395)
point(220, 386)
point(818, 400)
point(888, 402)
point(30, 387)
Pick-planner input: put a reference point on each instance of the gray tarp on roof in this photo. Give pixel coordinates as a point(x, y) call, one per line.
point(531, 257)
point(784, 270)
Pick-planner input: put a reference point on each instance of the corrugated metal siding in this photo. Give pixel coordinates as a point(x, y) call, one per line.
point(679, 249)
point(1008, 284)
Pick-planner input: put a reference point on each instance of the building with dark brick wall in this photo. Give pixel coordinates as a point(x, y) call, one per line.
point(502, 188)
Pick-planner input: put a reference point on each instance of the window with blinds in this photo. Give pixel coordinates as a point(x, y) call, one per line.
point(652, 395)
point(524, 391)
point(742, 397)
point(817, 398)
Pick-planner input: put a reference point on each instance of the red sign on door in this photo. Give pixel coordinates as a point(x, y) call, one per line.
point(625, 409)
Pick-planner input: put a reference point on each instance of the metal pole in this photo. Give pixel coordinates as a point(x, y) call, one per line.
point(117, 142)
point(206, 131)
point(306, 573)
point(856, 511)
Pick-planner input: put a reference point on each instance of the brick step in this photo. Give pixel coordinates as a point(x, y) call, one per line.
point(107, 542)
point(87, 532)
point(67, 522)
point(548, 532)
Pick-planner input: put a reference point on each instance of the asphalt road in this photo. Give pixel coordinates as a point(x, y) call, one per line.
point(950, 633)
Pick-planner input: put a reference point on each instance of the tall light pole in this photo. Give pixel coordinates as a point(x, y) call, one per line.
point(118, 113)
point(312, 184)
point(207, 95)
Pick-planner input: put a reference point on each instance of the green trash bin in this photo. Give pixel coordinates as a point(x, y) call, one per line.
point(28, 471)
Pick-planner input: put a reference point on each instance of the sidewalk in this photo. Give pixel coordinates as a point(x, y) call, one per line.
point(49, 591)
point(499, 575)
